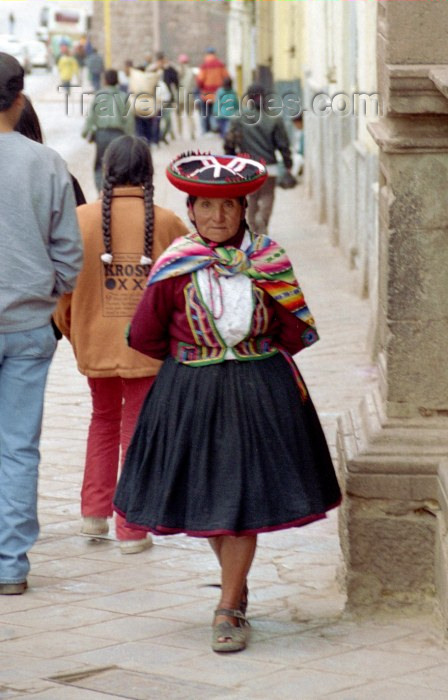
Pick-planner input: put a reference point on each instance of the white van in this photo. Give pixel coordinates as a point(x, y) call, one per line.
point(9, 43)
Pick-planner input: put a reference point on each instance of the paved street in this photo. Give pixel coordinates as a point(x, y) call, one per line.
point(98, 625)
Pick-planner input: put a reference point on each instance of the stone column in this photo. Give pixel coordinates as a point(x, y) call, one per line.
point(393, 450)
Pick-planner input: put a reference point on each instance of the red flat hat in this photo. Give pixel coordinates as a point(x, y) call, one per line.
point(206, 175)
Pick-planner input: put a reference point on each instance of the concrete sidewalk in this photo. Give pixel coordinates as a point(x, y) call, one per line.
point(96, 625)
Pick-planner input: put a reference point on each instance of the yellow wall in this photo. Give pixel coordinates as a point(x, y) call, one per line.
point(280, 36)
point(287, 39)
point(264, 32)
point(295, 36)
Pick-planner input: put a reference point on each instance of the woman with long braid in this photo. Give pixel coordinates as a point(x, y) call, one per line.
point(122, 234)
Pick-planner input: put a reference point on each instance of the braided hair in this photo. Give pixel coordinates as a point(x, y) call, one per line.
point(128, 162)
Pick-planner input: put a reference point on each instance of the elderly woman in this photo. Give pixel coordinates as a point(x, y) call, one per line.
point(228, 443)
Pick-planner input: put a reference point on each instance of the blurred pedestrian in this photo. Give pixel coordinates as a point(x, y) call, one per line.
point(123, 233)
point(171, 79)
point(212, 73)
point(67, 66)
point(226, 106)
point(147, 61)
point(187, 94)
point(41, 254)
point(260, 134)
point(88, 45)
point(11, 22)
point(109, 117)
point(95, 67)
point(144, 86)
point(79, 53)
point(298, 145)
point(124, 76)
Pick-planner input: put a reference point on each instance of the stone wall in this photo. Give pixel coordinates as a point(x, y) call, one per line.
point(393, 449)
point(190, 27)
point(131, 31)
point(184, 27)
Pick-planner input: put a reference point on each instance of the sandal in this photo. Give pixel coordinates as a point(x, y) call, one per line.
point(244, 599)
point(235, 637)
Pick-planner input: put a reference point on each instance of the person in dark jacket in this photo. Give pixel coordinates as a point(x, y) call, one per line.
point(95, 66)
point(260, 134)
point(171, 79)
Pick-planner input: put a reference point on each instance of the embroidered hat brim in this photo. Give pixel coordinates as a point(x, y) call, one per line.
point(206, 175)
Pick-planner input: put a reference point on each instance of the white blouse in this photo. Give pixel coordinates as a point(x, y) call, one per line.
point(231, 298)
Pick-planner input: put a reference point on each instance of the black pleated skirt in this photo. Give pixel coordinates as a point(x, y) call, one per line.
point(229, 448)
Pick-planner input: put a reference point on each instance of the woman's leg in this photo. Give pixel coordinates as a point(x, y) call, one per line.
point(215, 544)
point(134, 393)
point(103, 443)
point(235, 555)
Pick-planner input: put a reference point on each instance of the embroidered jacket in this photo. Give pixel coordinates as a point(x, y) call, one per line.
point(173, 318)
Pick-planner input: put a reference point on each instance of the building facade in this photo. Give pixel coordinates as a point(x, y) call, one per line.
point(134, 30)
point(373, 80)
point(325, 54)
point(374, 84)
point(340, 97)
point(393, 450)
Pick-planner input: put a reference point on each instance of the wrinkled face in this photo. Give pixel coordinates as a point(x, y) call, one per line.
point(217, 219)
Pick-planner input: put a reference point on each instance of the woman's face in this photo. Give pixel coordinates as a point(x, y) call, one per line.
point(217, 219)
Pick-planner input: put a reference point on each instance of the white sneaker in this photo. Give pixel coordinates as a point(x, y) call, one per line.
point(135, 546)
point(94, 527)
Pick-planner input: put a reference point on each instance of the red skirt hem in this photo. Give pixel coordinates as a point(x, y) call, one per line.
point(161, 530)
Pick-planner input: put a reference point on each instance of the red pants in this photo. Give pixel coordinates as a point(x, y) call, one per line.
point(116, 404)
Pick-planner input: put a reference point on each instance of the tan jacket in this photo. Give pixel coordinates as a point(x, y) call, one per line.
point(95, 316)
